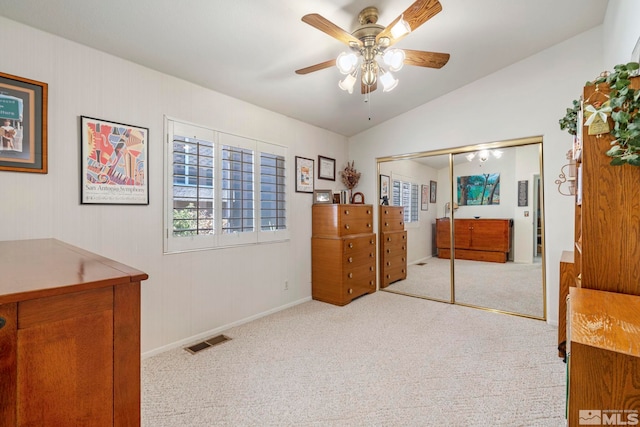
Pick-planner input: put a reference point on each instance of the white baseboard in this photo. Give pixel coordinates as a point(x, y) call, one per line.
point(212, 332)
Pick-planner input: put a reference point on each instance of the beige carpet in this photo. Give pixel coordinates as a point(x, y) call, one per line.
point(512, 287)
point(383, 360)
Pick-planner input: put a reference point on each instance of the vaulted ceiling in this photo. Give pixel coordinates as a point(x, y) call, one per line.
point(250, 49)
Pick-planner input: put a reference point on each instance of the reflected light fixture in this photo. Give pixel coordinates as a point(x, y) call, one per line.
point(484, 155)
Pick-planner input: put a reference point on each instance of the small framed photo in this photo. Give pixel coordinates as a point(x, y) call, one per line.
point(385, 187)
point(23, 124)
point(322, 196)
point(304, 175)
point(424, 200)
point(433, 189)
point(115, 164)
point(326, 168)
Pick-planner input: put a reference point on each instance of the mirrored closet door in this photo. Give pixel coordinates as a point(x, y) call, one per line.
point(488, 201)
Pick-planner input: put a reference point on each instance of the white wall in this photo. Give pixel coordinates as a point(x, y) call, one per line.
point(525, 99)
point(188, 295)
point(621, 30)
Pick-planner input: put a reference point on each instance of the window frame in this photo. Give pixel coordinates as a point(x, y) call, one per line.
point(176, 244)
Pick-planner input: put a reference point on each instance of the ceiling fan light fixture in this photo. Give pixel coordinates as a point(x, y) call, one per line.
point(400, 29)
point(470, 156)
point(394, 59)
point(388, 81)
point(496, 153)
point(347, 62)
point(348, 82)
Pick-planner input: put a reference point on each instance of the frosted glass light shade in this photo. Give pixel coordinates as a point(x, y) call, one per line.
point(401, 28)
point(394, 59)
point(347, 62)
point(348, 83)
point(387, 80)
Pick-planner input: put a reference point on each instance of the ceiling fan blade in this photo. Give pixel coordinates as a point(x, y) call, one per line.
point(415, 15)
point(317, 67)
point(330, 28)
point(425, 59)
point(364, 89)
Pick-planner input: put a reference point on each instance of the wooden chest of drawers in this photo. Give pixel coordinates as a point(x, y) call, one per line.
point(393, 245)
point(343, 252)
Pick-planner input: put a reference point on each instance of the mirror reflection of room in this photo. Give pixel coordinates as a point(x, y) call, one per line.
point(497, 234)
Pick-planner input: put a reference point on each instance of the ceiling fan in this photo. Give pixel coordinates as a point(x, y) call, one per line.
point(370, 47)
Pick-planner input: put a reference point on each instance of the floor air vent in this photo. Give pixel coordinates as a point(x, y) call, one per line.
point(209, 342)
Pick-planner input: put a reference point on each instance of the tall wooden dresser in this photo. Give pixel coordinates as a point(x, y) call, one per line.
point(603, 312)
point(343, 253)
point(393, 245)
point(69, 337)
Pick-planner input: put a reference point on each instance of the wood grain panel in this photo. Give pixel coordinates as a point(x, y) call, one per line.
point(52, 309)
point(66, 372)
point(126, 355)
point(566, 281)
point(8, 363)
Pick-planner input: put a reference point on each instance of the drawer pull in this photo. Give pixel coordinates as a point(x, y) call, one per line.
point(346, 226)
point(386, 212)
point(368, 211)
point(350, 245)
point(371, 283)
point(388, 263)
point(388, 251)
point(371, 255)
point(404, 237)
point(388, 276)
point(388, 239)
point(350, 291)
point(346, 211)
point(368, 225)
point(350, 275)
point(350, 259)
point(386, 224)
point(371, 268)
point(401, 223)
point(372, 242)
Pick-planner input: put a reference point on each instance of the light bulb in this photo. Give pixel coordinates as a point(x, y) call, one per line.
point(387, 80)
point(348, 83)
point(401, 28)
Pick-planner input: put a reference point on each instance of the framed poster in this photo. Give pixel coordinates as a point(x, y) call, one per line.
point(326, 168)
point(424, 200)
point(23, 124)
point(115, 163)
point(304, 175)
point(433, 188)
point(385, 187)
point(479, 190)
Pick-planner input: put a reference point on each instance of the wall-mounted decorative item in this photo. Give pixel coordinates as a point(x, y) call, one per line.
point(476, 190)
point(304, 175)
point(433, 191)
point(115, 163)
point(523, 193)
point(23, 124)
point(322, 196)
point(385, 187)
point(424, 200)
point(350, 176)
point(326, 168)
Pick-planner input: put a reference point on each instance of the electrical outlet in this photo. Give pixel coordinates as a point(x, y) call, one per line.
point(286, 285)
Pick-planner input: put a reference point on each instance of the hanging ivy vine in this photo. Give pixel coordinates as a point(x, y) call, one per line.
point(625, 103)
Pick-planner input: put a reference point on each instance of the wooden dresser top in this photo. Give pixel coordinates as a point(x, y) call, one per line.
point(44, 267)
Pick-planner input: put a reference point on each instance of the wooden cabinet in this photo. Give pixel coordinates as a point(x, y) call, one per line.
point(343, 252)
point(603, 356)
point(70, 340)
point(567, 280)
point(475, 239)
point(393, 245)
point(603, 326)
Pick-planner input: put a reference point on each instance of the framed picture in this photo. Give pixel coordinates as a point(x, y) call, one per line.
point(322, 196)
point(304, 175)
point(424, 200)
point(479, 190)
point(326, 168)
point(23, 124)
point(523, 193)
point(433, 190)
point(115, 163)
point(385, 187)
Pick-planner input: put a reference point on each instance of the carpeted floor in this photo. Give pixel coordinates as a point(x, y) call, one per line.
point(512, 287)
point(383, 360)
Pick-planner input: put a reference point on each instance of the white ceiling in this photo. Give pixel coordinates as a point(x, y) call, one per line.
point(250, 49)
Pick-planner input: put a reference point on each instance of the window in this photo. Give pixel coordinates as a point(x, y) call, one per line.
point(218, 185)
point(406, 194)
